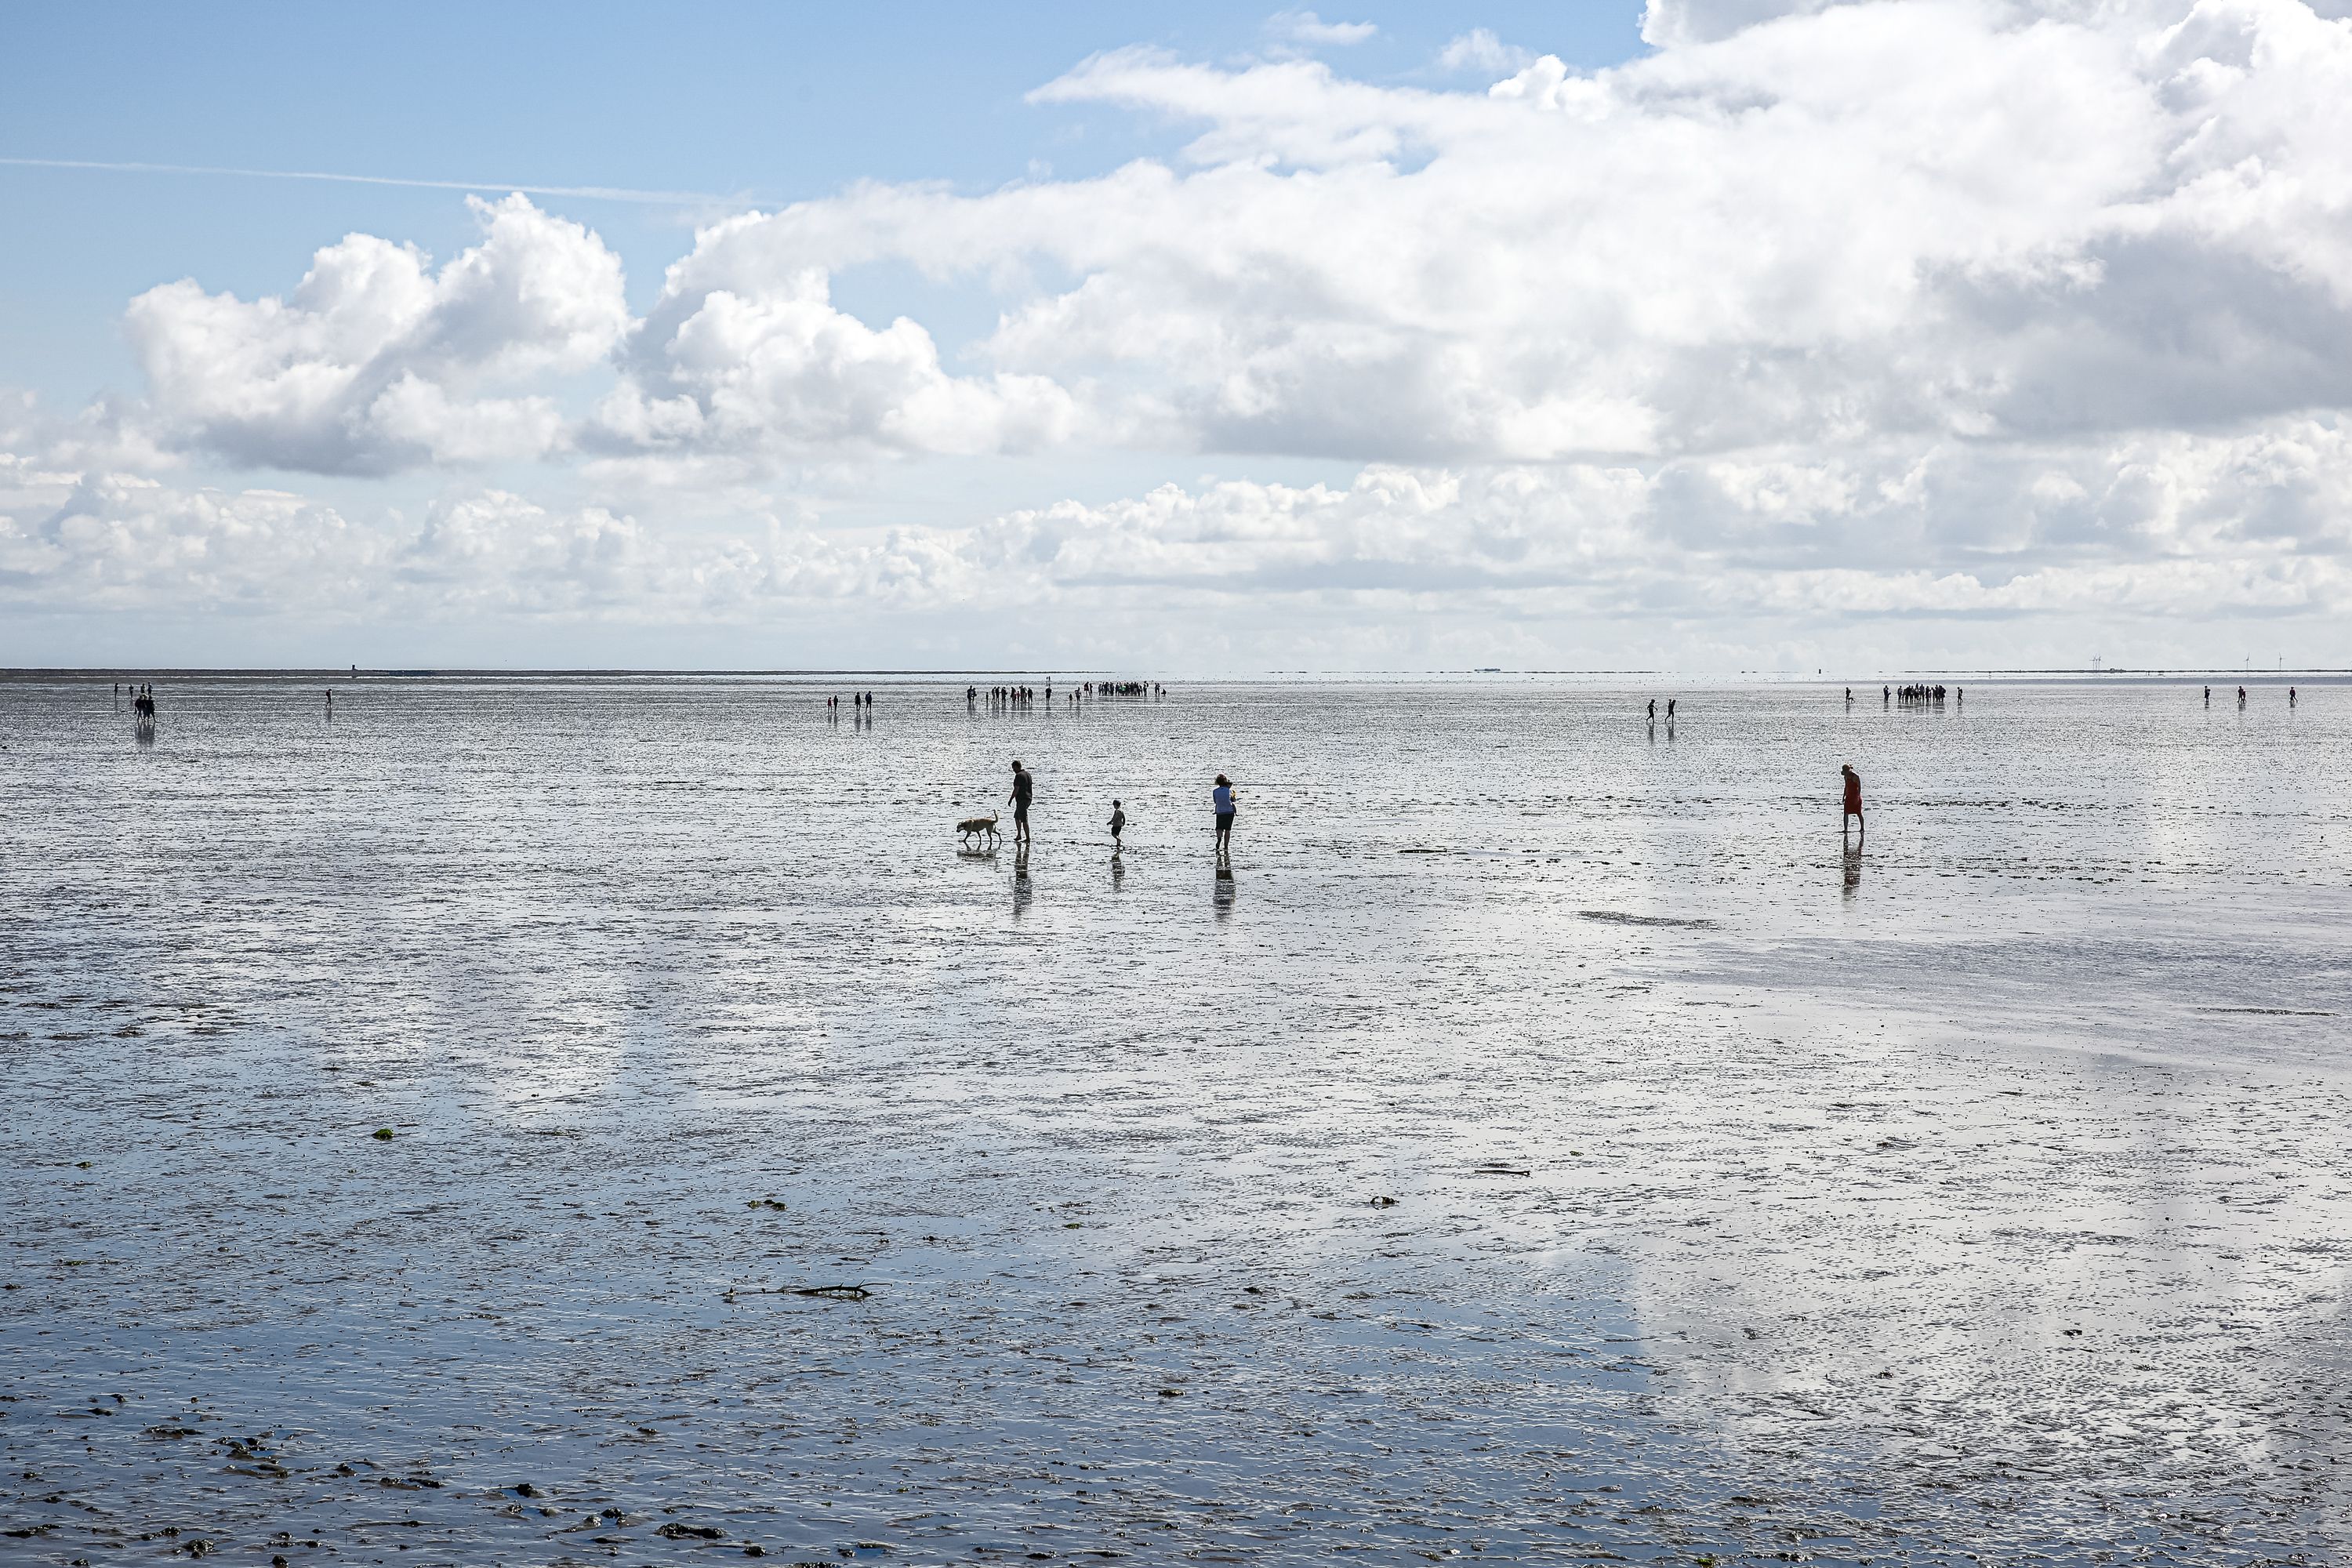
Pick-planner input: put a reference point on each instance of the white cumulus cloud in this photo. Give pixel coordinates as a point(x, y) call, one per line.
point(376, 361)
point(747, 360)
point(1952, 309)
point(1949, 216)
point(2179, 529)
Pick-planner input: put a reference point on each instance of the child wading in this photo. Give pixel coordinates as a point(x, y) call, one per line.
point(1117, 824)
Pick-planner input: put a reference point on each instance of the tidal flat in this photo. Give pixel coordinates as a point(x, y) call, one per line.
point(572, 1120)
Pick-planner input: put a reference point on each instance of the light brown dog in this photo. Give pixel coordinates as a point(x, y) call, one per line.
point(971, 827)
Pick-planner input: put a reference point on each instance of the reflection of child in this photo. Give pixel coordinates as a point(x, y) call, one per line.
point(1118, 822)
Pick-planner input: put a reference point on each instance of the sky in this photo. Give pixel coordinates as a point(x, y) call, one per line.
point(1700, 335)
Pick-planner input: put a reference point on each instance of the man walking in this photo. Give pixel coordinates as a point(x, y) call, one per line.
point(1024, 786)
point(1853, 801)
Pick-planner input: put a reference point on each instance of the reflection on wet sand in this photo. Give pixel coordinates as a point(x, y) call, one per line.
point(1588, 1188)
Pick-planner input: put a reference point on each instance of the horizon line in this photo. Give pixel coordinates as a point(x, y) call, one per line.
point(1079, 673)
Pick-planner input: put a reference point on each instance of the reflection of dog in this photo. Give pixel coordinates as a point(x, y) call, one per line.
point(971, 827)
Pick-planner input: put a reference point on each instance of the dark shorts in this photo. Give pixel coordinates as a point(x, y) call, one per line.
point(1226, 821)
point(1021, 812)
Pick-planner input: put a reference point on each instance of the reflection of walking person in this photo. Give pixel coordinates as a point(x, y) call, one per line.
point(1223, 797)
point(1023, 785)
point(1852, 800)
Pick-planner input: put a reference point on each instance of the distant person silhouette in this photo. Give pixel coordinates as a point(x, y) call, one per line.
point(1853, 801)
point(1654, 710)
point(2290, 696)
point(1117, 824)
point(2209, 696)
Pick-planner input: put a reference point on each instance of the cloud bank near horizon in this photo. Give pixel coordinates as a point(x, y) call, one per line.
point(1818, 315)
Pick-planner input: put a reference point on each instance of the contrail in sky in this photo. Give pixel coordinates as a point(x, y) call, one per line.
point(598, 192)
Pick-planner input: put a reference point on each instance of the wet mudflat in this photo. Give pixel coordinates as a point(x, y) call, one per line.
point(1547, 1143)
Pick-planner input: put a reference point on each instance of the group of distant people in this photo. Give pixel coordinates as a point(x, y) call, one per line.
point(143, 700)
point(1011, 699)
point(2241, 696)
point(860, 701)
point(1912, 696)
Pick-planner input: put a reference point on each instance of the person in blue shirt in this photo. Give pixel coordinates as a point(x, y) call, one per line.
point(1223, 797)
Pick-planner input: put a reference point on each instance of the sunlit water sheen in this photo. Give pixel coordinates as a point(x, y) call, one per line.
point(1984, 1191)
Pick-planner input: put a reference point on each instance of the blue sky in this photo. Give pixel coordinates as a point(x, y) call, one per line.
point(1708, 334)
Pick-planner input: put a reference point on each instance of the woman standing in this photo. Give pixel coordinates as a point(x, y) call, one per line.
point(1223, 797)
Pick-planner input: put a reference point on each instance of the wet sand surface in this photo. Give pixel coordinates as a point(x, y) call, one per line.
point(1547, 1143)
